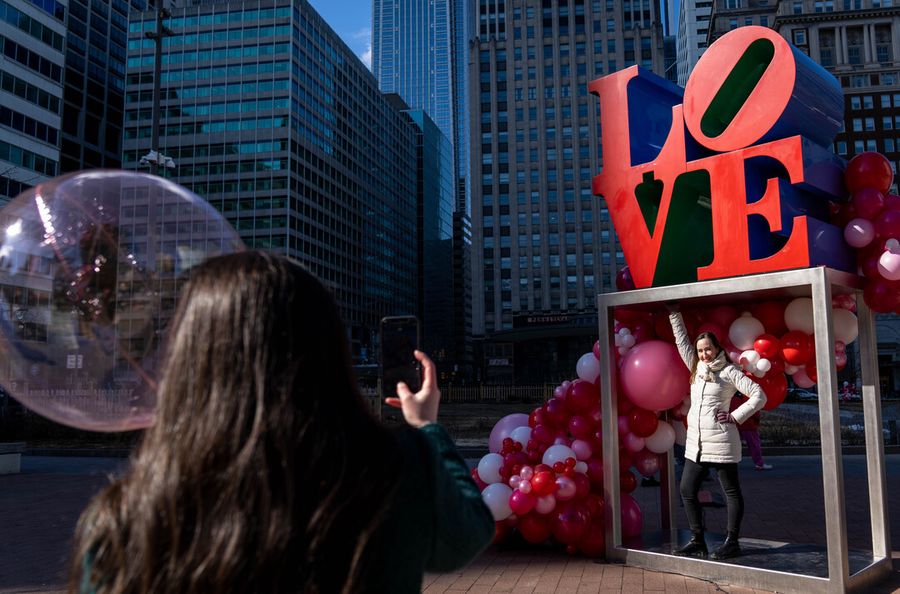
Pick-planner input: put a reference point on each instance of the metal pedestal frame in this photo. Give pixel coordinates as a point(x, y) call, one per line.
point(819, 284)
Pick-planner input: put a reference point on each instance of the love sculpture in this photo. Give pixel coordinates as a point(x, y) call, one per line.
point(733, 174)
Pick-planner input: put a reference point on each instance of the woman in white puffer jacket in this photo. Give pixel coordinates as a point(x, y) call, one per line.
point(713, 441)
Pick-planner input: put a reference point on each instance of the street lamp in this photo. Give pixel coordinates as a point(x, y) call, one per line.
point(155, 158)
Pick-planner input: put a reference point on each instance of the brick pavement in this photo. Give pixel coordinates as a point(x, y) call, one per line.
point(39, 508)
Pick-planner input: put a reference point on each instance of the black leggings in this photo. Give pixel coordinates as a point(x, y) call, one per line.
point(692, 477)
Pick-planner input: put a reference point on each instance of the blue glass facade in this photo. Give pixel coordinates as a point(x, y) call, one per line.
point(270, 117)
point(435, 183)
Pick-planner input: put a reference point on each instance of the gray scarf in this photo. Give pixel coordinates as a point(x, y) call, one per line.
point(707, 371)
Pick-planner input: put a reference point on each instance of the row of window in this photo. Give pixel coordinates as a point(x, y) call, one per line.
point(587, 238)
point(858, 102)
point(29, 92)
point(33, 27)
point(222, 18)
point(868, 124)
point(888, 145)
point(29, 126)
point(51, 7)
point(233, 167)
point(230, 53)
point(235, 71)
point(30, 59)
point(213, 127)
point(217, 150)
point(27, 159)
point(243, 33)
point(224, 107)
point(248, 88)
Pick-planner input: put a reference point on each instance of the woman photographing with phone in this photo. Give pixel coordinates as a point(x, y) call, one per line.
point(265, 471)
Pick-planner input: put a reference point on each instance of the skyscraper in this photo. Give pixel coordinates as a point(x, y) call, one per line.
point(412, 55)
point(94, 93)
point(543, 244)
point(274, 120)
point(31, 76)
point(693, 28)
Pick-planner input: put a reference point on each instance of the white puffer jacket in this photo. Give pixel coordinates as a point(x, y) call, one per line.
point(707, 439)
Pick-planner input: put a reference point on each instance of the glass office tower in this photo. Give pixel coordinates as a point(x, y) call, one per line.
point(273, 119)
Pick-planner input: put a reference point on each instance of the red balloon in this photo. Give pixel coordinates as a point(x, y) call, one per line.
point(542, 434)
point(583, 396)
point(556, 412)
point(543, 483)
point(663, 327)
point(771, 316)
point(593, 543)
point(869, 202)
point(625, 405)
point(580, 427)
point(881, 296)
point(627, 481)
point(711, 328)
point(595, 506)
point(629, 316)
point(723, 316)
point(812, 371)
point(887, 225)
point(582, 486)
point(892, 202)
point(795, 347)
point(775, 386)
point(595, 470)
point(868, 170)
point(840, 360)
point(642, 331)
point(534, 528)
point(624, 282)
point(643, 423)
point(624, 426)
point(569, 523)
point(767, 346)
point(632, 517)
point(521, 503)
point(625, 459)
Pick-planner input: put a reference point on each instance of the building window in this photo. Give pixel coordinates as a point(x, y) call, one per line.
point(799, 36)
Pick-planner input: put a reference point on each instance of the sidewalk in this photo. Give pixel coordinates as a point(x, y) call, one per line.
point(39, 508)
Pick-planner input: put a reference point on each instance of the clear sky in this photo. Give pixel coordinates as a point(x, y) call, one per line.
point(352, 20)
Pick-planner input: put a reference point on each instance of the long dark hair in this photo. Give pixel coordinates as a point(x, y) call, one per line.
point(715, 341)
point(264, 470)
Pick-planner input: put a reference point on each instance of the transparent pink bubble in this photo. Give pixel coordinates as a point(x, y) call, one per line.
point(91, 264)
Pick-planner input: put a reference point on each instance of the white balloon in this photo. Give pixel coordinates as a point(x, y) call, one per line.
point(628, 341)
point(744, 331)
point(758, 373)
point(556, 453)
point(763, 365)
point(749, 359)
point(496, 497)
point(798, 315)
point(846, 326)
point(489, 468)
point(581, 467)
point(618, 340)
point(662, 439)
point(521, 435)
point(625, 332)
point(623, 350)
point(588, 367)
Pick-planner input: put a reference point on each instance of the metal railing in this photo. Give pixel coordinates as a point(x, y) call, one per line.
point(538, 393)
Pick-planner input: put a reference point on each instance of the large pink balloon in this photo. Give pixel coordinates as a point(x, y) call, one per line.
point(503, 428)
point(654, 376)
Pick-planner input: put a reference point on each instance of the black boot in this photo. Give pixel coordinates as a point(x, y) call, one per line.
point(730, 548)
point(696, 547)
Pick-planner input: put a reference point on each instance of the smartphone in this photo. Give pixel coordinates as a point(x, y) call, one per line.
point(399, 338)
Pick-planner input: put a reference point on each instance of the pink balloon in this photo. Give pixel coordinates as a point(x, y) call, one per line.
point(632, 517)
point(545, 504)
point(624, 426)
point(596, 349)
point(503, 428)
point(889, 265)
point(565, 488)
point(859, 232)
point(653, 376)
point(633, 443)
point(582, 449)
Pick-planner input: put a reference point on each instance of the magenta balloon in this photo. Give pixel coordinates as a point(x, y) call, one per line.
point(503, 428)
point(646, 463)
point(653, 376)
point(632, 517)
point(88, 288)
